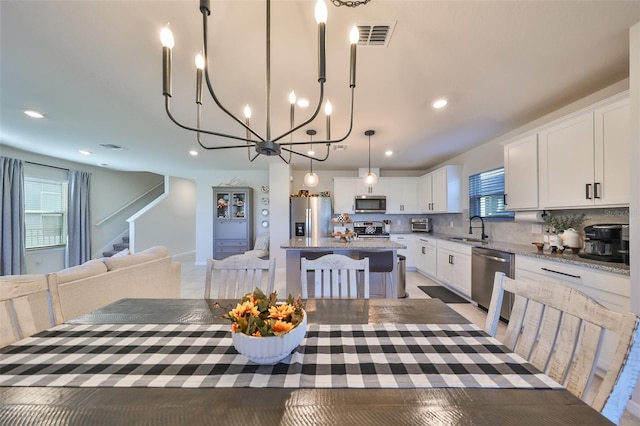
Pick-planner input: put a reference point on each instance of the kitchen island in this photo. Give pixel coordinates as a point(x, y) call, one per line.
point(300, 245)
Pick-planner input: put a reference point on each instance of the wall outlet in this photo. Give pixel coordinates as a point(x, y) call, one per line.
point(536, 228)
point(451, 224)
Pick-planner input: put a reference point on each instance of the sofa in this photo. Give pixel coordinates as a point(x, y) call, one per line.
point(147, 274)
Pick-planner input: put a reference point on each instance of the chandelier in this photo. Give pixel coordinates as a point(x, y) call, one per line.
point(264, 144)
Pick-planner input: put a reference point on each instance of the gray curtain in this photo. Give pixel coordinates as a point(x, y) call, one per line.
point(79, 219)
point(12, 217)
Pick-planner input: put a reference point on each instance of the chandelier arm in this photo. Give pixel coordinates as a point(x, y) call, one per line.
point(193, 129)
point(313, 117)
point(205, 49)
point(329, 142)
point(290, 151)
point(283, 159)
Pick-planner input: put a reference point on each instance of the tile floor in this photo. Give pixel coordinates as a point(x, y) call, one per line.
point(193, 277)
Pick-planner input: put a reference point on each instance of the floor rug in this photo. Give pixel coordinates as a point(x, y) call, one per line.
point(439, 292)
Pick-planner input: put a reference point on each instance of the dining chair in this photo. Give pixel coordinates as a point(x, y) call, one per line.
point(335, 276)
point(28, 305)
point(559, 330)
point(238, 275)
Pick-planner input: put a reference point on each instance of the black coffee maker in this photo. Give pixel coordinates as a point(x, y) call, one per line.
point(605, 243)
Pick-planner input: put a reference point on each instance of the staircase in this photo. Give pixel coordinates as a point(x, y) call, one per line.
point(117, 247)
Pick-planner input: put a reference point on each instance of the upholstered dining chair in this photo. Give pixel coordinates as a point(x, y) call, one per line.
point(335, 276)
point(559, 330)
point(27, 306)
point(238, 275)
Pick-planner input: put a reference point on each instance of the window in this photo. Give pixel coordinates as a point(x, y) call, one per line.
point(486, 195)
point(45, 213)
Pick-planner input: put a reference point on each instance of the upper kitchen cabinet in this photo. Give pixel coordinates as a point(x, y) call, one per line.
point(402, 194)
point(583, 159)
point(521, 173)
point(344, 193)
point(441, 191)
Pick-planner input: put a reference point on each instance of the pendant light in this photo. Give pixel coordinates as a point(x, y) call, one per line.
point(370, 179)
point(311, 179)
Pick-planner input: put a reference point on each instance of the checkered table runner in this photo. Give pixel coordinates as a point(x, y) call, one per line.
point(330, 356)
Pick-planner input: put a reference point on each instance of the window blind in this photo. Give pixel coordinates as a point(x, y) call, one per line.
point(486, 195)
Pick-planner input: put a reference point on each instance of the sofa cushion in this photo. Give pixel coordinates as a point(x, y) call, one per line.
point(87, 269)
point(152, 253)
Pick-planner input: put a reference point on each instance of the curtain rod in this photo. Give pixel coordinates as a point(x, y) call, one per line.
point(46, 165)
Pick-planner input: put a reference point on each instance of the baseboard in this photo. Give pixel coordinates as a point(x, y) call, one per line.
point(177, 257)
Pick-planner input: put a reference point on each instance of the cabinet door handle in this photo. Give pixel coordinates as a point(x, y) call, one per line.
point(596, 186)
point(587, 189)
point(561, 273)
point(423, 250)
point(504, 199)
point(451, 259)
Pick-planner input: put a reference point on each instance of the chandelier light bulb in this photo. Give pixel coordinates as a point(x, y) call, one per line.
point(311, 179)
point(328, 108)
point(200, 61)
point(321, 12)
point(247, 112)
point(166, 37)
point(292, 97)
point(354, 35)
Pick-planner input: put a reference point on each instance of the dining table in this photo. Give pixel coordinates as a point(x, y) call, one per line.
point(362, 362)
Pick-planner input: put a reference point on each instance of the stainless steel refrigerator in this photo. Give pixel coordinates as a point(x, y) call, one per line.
point(310, 217)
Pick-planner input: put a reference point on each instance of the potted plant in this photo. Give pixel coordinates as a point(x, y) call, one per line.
point(265, 330)
point(567, 227)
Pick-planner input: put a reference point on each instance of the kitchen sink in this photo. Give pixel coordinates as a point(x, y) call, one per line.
point(467, 240)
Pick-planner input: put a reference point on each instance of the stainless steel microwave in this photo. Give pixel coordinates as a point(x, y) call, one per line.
point(371, 204)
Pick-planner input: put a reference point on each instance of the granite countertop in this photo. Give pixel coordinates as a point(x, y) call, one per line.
point(532, 251)
point(334, 243)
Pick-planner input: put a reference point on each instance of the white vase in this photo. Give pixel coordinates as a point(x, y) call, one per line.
point(269, 350)
point(571, 238)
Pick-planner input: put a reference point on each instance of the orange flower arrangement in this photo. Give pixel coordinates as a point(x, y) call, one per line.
point(261, 316)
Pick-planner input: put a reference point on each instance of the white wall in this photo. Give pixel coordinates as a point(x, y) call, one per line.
point(169, 221)
point(634, 210)
point(279, 179)
point(204, 203)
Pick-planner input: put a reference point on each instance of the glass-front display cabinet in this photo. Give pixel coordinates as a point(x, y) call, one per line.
point(233, 222)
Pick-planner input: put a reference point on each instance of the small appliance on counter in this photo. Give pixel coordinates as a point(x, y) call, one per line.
point(372, 229)
point(419, 224)
point(605, 243)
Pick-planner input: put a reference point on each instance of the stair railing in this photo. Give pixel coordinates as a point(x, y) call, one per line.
point(130, 203)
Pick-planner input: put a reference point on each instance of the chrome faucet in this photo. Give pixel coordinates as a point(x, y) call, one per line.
point(482, 235)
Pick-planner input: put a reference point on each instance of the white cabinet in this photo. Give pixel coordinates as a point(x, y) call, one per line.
point(426, 249)
point(612, 150)
point(441, 191)
point(407, 240)
point(521, 173)
point(611, 290)
point(583, 160)
point(454, 266)
point(402, 194)
point(344, 193)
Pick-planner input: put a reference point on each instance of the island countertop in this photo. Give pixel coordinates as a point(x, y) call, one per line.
point(300, 243)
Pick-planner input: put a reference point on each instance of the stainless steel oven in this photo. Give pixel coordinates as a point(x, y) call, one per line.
point(371, 204)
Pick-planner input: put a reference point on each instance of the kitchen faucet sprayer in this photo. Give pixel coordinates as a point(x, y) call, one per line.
point(482, 234)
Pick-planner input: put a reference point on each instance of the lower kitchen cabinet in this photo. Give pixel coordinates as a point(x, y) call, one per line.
point(408, 253)
point(454, 266)
point(426, 249)
point(610, 290)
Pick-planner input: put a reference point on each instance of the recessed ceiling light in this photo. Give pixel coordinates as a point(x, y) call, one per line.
point(440, 103)
point(193, 153)
point(34, 114)
point(311, 152)
point(84, 152)
point(388, 153)
point(303, 102)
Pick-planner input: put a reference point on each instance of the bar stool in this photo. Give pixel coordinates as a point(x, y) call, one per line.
point(380, 262)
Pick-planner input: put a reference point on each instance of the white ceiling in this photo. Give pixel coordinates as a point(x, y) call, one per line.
point(94, 69)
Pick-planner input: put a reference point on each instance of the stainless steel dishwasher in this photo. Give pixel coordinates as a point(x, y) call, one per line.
point(484, 265)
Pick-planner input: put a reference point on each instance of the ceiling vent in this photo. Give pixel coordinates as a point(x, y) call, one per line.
point(111, 146)
point(340, 147)
point(375, 34)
